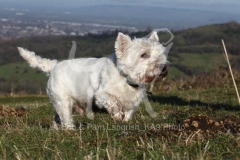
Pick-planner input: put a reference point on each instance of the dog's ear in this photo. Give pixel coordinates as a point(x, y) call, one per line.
point(154, 36)
point(122, 44)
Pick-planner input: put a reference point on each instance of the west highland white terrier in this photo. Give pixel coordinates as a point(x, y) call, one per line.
point(117, 88)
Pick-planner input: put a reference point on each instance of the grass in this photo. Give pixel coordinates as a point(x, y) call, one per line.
point(29, 137)
point(175, 72)
point(22, 72)
point(204, 62)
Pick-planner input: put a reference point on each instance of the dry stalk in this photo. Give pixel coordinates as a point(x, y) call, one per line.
point(230, 68)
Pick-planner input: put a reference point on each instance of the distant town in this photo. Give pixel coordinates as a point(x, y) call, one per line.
point(20, 21)
point(11, 28)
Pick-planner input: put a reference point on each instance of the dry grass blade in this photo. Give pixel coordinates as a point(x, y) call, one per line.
point(230, 68)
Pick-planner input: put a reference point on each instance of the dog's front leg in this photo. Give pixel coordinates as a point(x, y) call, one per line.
point(89, 111)
point(111, 103)
point(128, 114)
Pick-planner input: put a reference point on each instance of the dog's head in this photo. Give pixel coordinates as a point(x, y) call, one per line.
point(141, 60)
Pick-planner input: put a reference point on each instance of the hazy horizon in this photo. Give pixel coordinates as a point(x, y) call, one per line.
point(222, 6)
point(175, 14)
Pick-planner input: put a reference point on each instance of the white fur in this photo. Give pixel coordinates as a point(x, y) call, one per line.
point(43, 64)
point(78, 82)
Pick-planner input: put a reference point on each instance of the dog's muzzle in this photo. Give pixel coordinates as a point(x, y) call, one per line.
point(163, 73)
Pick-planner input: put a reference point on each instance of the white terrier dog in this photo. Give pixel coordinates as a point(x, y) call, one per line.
point(117, 88)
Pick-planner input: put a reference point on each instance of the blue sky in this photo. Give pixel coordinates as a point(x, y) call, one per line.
point(228, 6)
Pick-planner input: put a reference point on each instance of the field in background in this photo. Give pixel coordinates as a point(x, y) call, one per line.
point(22, 72)
point(19, 76)
point(195, 51)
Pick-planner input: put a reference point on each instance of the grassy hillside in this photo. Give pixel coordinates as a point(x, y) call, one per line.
point(21, 71)
point(194, 51)
point(207, 39)
point(19, 76)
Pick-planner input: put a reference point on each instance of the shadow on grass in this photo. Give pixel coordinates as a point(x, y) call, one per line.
point(176, 101)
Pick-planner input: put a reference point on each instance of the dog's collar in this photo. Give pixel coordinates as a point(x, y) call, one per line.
point(132, 84)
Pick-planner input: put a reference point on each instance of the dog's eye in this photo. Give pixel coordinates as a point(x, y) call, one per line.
point(144, 55)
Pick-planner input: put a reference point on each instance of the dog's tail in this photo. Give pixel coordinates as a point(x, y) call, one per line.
point(46, 65)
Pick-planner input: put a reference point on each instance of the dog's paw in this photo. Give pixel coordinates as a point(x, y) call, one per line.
point(153, 114)
point(90, 115)
point(68, 127)
point(119, 116)
point(55, 126)
point(126, 119)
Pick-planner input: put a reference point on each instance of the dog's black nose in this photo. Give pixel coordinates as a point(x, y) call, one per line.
point(164, 71)
point(164, 68)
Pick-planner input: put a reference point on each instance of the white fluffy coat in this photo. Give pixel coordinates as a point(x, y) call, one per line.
point(79, 82)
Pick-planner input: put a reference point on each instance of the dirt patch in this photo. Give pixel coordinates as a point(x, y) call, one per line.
point(232, 123)
point(16, 112)
point(204, 124)
point(201, 125)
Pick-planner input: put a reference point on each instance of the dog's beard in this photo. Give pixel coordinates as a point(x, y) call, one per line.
point(157, 73)
point(148, 76)
point(143, 74)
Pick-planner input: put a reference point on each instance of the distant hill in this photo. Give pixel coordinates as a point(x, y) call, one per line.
point(57, 47)
point(151, 16)
point(207, 39)
point(135, 15)
point(204, 39)
point(195, 50)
